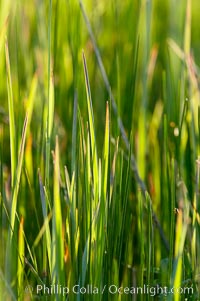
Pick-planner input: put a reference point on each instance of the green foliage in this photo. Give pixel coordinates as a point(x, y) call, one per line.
point(99, 150)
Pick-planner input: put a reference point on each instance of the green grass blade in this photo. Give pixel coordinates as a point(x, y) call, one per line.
point(21, 255)
point(106, 152)
point(74, 134)
point(181, 231)
point(11, 117)
point(57, 235)
point(91, 128)
point(18, 175)
point(50, 100)
point(50, 106)
point(46, 222)
point(12, 232)
point(150, 243)
point(172, 222)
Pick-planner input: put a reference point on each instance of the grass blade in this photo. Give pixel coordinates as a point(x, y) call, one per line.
point(91, 129)
point(11, 236)
point(21, 255)
point(57, 233)
point(11, 117)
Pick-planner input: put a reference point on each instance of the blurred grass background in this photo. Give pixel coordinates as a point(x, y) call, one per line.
point(150, 51)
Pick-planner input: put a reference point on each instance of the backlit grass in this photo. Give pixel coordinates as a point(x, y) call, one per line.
point(99, 150)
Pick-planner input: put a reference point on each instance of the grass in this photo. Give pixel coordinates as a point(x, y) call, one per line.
point(99, 150)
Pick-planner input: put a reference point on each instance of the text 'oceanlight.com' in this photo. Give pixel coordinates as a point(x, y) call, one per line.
point(112, 289)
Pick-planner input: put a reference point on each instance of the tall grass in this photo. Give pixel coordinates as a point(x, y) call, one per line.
point(99, 150)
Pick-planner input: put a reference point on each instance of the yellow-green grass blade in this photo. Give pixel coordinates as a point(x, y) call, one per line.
point(51, 105)
point(74, 134)
point(106, 152)
point(141, 152)
point(141, 234)
point(18, 174)
point(21, 255)
point(125, 190)
point(113, 169)
point(180, 237)
point(50, 77)
point(29, 110)
point(50, 100)
point(31, 98)
point(89, 229)
point(57, 231)
point(102, 209)
point(50, 117)
point(150, 243)
point(91, 128)
point(11, 117)
point(172, 222)
point(178, 256)
point(43, 196)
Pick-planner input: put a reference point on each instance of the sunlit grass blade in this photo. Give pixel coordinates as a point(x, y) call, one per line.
point(57, 232)
point(50, 77)
point(21, 255)
point(125, 190)
point(178, 256)
point(88, 205)
point(91, 128)
point(11, 117)
point(74, 134)
point(106, 152)
point(113, 169)
point(85, 259)
point(140, 220)
point(103, 209)
point(172, 217)
point(50, 117)
point(195, 225)
point(18, 175)
point(141, 145)
point(29, 110)
point(31, 98)
point(150, 243)
point(180, 236)
point(47, 242)
point(49, 108)
point(71, 225)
